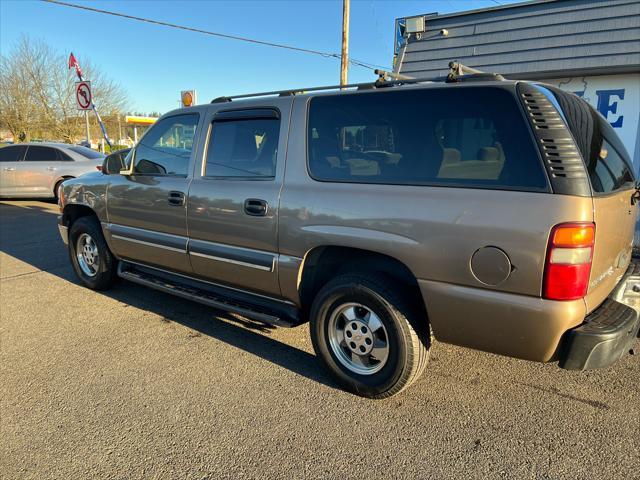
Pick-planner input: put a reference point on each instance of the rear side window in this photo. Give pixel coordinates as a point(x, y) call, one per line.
point(475, 137)
point(243, 148)
point(41, 154)
point(608, 171)
point(12, 153)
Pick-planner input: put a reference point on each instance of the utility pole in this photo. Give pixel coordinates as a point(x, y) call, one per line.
point(344, 62)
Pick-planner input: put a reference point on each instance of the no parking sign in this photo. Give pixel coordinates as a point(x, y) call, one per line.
point(83, 95)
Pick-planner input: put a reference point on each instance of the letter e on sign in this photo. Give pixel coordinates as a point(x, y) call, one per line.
point(608, 103)
point(83, 95)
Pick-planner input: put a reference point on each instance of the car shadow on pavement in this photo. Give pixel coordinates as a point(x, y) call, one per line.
point(252, 337)
point(28, 233)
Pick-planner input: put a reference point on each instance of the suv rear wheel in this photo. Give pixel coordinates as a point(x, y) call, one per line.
point(91, 258)
point(366, 332)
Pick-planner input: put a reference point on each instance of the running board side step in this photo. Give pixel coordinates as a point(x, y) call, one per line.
point(263, 310)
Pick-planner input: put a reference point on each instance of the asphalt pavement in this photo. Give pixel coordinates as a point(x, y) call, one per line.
point(133, 383)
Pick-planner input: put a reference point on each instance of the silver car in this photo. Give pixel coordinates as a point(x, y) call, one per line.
point(36, 169)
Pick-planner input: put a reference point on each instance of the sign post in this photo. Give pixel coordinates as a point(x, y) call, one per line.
point(86, 126)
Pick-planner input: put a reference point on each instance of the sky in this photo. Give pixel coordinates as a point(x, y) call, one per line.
point(154, 63)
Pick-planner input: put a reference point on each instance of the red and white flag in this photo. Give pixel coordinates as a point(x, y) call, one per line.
point(73, 63)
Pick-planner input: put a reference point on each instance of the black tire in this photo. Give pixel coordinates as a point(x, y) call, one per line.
point(55, 188)
point(106, 271)
point(407, 333)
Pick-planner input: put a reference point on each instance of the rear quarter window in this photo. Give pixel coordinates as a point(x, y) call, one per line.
point(468, 137)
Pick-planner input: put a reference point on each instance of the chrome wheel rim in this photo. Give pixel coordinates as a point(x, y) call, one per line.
point(358, 338)
point(87, 255)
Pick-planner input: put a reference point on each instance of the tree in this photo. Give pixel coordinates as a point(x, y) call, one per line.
point(37, 93)
point(18, 111)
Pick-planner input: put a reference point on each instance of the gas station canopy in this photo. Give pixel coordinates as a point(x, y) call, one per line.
point(135, 120)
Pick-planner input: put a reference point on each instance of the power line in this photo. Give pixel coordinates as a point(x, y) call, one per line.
point(359, 63)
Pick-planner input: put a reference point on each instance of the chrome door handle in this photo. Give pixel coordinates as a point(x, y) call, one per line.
point(52, 169)
point(9, 169)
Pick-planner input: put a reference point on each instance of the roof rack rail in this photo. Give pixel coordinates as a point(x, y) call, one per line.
point(458, 73)
point(287, 93)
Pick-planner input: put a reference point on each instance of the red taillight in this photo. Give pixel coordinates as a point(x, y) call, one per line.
point(99, 168)
point(568, 263)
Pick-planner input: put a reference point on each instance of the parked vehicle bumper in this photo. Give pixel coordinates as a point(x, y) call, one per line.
point(609, 331)
point(64, 231)
point(519, 326)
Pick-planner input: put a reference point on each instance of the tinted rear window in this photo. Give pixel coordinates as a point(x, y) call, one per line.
point(608, 171)
point(243, 148)
point(470, 137)
point(86, 152)
point(41, 154)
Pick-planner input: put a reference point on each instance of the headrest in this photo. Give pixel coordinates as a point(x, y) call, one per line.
point(451, 155)
point(489, 154)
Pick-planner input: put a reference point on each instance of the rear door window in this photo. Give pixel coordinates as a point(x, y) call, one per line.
point(468, 137)
point(245, 148)
point(41, 154)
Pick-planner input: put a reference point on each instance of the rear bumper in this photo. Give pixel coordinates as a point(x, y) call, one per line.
point(511, 324)
point(607, 332)
point(64, 231)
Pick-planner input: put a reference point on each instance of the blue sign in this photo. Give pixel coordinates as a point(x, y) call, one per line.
point(399, 38)
point(608, 103)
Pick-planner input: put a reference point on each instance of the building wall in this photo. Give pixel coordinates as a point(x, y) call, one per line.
point(541, 37)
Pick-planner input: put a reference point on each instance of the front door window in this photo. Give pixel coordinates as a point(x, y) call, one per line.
point(166, 149)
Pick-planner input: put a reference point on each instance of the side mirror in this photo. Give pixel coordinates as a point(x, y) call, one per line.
point(114, 162)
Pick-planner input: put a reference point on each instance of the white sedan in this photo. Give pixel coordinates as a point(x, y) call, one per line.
point(36, 169)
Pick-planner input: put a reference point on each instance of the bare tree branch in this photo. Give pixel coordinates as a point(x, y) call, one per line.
point(37, 93)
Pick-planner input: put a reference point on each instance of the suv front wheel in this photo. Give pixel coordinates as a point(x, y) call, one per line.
point(91, 258)
point(369, 335)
